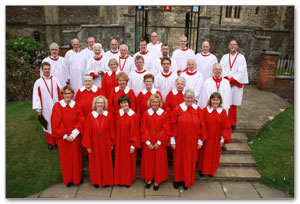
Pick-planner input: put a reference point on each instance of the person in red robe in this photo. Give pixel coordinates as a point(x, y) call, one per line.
point(67, 122)
point(218, 133)
point(189, 133)
point(99, 139)
point(127, 141)
point(144, 95)
point(85, 96)
point(122, 89)
point(109, 81)
point(155, 136)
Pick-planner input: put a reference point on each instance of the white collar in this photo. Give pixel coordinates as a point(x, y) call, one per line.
point(110, 72)
point(192, 71)
point(94, 88)
point(184, 107)
point(210, 109)
point(175, 92)
point(130, 112)
point(158, 112)
point(95, 114)
point(64, 104)
point(153, 91)
point(126, 90)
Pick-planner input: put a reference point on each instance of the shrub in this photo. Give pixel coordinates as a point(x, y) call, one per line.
point(23, 59)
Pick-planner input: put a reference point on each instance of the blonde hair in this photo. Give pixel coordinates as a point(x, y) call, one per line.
point(113, 60)
point(152, 97)
point(122, 75)
point(96, 99)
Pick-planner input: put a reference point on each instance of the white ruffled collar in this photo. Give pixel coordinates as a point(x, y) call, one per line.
point(94, 88)
point(175, 92)
point(130, 112)
point(184, 107)
point(158, 112)
point(210, 109)
point(126, 90)
point(110, 72)
point(64, 104)
point(95, 114)
point(153, 91)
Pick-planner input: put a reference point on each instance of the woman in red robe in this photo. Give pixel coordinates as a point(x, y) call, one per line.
point(85, 96)
point(144, 95)
point(155, 136)
point(127, 141)
point(99, 139)
point(218, 133)
point(188, 129)
point(122, 89)
point(67, 122)
point(109, 81)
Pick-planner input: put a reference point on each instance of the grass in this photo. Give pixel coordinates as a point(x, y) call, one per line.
point(30, 166)
point(273, 150)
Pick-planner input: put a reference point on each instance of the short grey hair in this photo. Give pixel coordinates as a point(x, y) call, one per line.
point(189, 92)
point(97, 45)
point(180, 79)
point(123, 45)
point(218, 64)
point(54, 45)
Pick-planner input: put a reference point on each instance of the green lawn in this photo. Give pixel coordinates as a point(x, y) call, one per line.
point(273, 150)
point(30, 166)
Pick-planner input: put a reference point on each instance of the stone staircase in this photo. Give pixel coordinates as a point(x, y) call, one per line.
point(236, 163)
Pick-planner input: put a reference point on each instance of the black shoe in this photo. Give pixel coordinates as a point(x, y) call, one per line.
point(210, 175)
point(224, 148)
point(185, 188)
point(176, 184)
point(148, 185)
point(155, 188)
point(126, 186)
point(233, 127)
point(81, 181)
point(69, 185)
point(50, 147)
point(96, 186)
point(200, 174)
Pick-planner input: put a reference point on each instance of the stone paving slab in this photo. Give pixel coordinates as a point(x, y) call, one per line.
point(240, 190)
point(165, 189)
point(37, 195)
point(60, 191)
point(238, 137)
point(237, 173)
point(136, 191)
point(241, 148)
point(270, 193)
point(204, 190)
point(87, 190)
point(237, 160)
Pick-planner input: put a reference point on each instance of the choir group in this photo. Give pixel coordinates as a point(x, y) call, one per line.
point(111, 104)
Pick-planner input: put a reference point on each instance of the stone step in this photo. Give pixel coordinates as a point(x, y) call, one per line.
point(238, 137)
point(237, 148)
point(233, 174)
point(237, 160)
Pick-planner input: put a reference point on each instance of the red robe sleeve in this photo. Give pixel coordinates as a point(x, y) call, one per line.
point(88, 131)
point(80, 119)
point(167, 104)
point(145, 136)
point(77, 96)
point(57, 127)
point(226, 128)
point(112, 129)
point(132, 100)
point(103, 85)
point(139, 105)
point(135, 131)
point(164, 134)
point(203, 131)
point(174, 117)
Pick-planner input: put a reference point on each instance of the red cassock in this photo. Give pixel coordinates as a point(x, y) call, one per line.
point(188, 127)
point(155, 127)
point(99, 135)
point(217, 125)
point(142, 100)
point(85, 98)
point(65, 119)
point(127, 135)
point(113, 105)
point(109, 82)
point(173, 99)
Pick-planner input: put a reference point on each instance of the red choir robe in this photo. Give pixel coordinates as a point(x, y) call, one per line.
point(173, 99)
point(188, 128)
point(127, 136)
point(217, 125)
point(113, 105)
point(85, 98)
point(155, 127)
point(99, 135)
point(142, 100)
point(67, 119)
point(109, 82)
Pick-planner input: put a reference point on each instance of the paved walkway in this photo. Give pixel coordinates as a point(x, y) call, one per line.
point(257, 109)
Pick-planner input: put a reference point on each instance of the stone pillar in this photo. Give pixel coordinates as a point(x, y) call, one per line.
point(203, 30)
point(129, 32)
point(267, 70)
